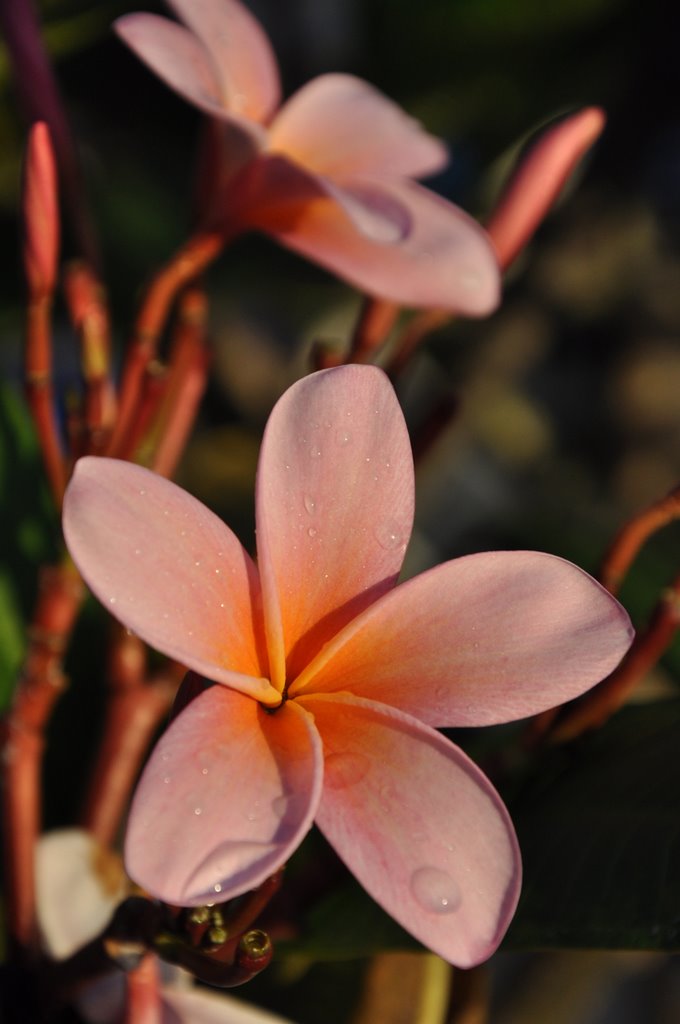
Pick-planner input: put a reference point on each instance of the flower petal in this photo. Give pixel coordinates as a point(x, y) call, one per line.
point(341, 126)
point(79, 884)
point(169, 569)
point(484, 639)
point(334, 506)
point(419, 825)
point(240, 51)
point(227, 795)
point(176, 56)
point(198, 1006)
point(432, 254)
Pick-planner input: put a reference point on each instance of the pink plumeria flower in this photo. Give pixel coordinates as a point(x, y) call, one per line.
point(328, 173)
point(79, 885)
point(333, 678)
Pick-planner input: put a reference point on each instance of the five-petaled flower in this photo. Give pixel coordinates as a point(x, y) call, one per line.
point(328, 173)
point(333, 678)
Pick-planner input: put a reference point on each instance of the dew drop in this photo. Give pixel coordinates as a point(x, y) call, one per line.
point(311, 532)
point(387, 797)
point(343, 437)
point(310, 504)
point(166, 780)
point(142, 491)
point(112, 600)
point(197, 562)
point(388, 536)
point(315, 452)
point(217, 887)
point(198, 810)
point(345, 769)
point(470, 280)
point(138, 551)
point(166, 511)
point(435, 890)
point(165, 757)
point(204, 771)
point(280, 805)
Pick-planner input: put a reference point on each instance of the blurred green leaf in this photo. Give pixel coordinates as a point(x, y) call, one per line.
point(28, 531)
point(348, 924)
point(599, 829)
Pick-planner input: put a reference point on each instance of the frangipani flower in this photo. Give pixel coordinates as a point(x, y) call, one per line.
point(79, 885)
point(332, 678)
point(328, 173)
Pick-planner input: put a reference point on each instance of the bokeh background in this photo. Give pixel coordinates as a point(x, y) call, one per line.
point(567, 399)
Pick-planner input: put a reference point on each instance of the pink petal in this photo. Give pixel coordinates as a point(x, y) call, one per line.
point(422, 250)
point(334, 506)
point(169, 569)
point(183, 63)
point(240, 51)
point(228, 794)
point(79, 884)
point(538, 179)
point(198, 1006)
point(483, 639)
point(273, 190)
point(341, 126)
point(176, 56)
point(419, 825)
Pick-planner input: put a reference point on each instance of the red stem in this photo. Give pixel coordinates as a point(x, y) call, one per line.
point(602, 701)
point(38, 689)
point(627, 543)
point(136, 707)
point(143, 1002)
point(38, 368)
point(187, 264)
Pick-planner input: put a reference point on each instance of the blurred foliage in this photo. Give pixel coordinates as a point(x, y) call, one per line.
point(600, 838)
point(28, 532)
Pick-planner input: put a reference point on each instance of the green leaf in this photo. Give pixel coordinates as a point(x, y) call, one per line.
point(347, 924)
point(28, 532)
point(599, 829)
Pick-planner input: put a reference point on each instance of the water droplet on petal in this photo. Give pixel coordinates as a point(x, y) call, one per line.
point(388, 536)
point(280, 805)
point(470, 280)
point(138, 551)
point(345, 769)
point(435, 890)
point(166, 780)
point(217, 887)
point(204, 771)
point(387, 795)
point(142, 491)
point(311, 532)
point(112, 600)
point(310, 504)
point(315, 452)
point(343, 437)
point(198, 810)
